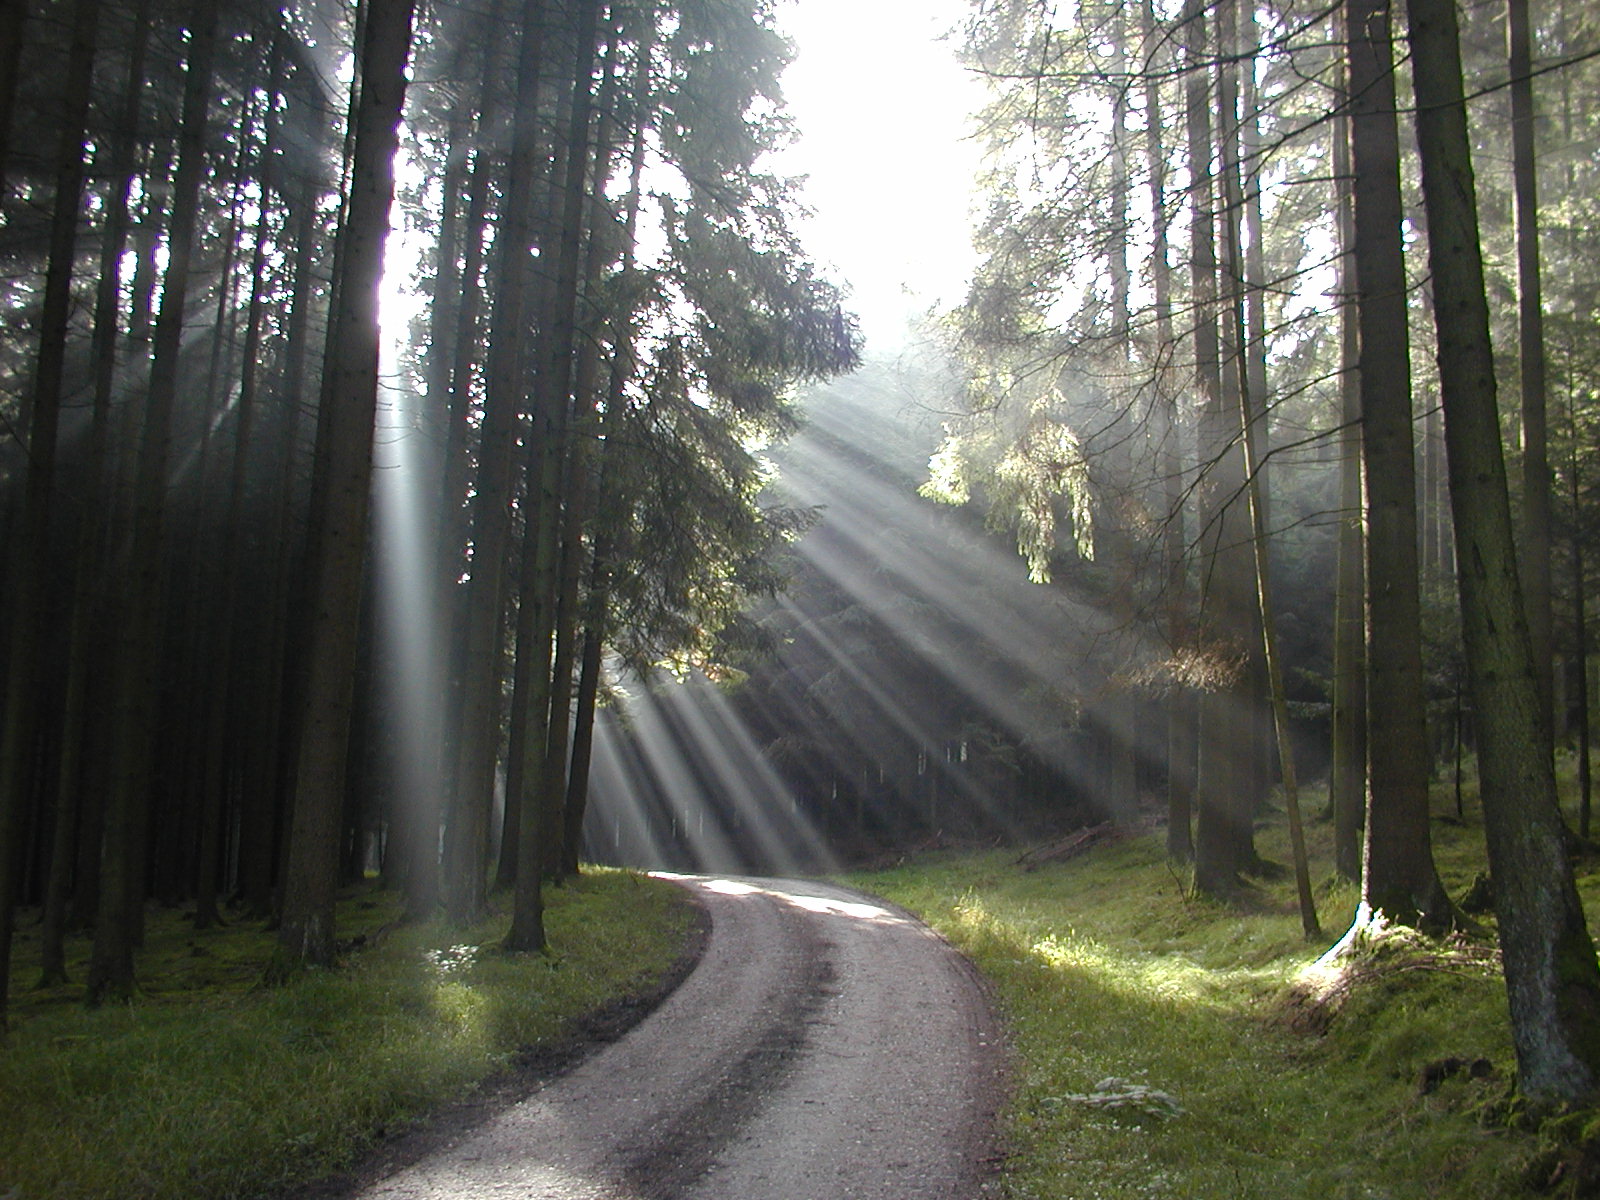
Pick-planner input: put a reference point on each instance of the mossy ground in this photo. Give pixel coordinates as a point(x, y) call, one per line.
point(210, 1085)
point(1126, 994)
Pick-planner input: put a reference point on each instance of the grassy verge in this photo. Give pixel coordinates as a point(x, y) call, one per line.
point(210, 1086)
point(1160, 1050)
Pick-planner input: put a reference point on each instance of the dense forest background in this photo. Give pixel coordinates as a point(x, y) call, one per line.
point(390, 389)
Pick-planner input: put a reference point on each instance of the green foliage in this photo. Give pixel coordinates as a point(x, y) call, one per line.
point(1028, 466)
point(1128, 1000)
point(213, 1086)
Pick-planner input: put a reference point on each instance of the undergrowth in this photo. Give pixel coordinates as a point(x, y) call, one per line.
point(211, 1086)
point(1165, 1045)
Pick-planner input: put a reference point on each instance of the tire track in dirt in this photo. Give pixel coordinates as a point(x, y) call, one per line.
point(825, 1046)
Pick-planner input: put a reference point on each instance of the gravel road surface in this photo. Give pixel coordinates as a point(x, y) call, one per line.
point(825, 1047)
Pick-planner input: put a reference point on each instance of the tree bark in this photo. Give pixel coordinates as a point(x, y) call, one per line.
point(467, 830)
point(137, 686)
point(1398, 874)
point(540, 815)
point(29, 592)
point(1348, 757)
point(306, 931)
point(1224, 839)
point(1534, 566)
point(1552, 978)
point(1179, 702)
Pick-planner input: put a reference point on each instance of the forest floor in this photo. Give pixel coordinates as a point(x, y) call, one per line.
point(825, 1046)
point(1166, 1045)
point(210, 1085)
point(1161, 1044)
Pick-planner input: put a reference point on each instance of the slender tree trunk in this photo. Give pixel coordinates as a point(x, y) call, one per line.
point(1224, 838)
point(137, 687)
point(1348, 759)
point(578, 488)
point(540, 816)
point(467, 831)
point(1398, 872)
point(1250, 380)
point(1168, 433)
point(1123, 707)
point(597, 603)
point(75, 808)
point(1580, 633)
point(1552, 978)
point(306, 932)
point(1534, 541)
point(13, 13)
point(30, 592)
point(263, 802)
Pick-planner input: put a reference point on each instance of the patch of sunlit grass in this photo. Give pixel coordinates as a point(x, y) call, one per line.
point(1157, 1047)
point(210, 1086)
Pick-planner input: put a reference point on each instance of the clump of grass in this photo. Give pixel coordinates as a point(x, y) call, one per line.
point(1155, 1050)
point(211, 1086)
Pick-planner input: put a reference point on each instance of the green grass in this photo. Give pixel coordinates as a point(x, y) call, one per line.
point(211, 1086)
point(1107, 968)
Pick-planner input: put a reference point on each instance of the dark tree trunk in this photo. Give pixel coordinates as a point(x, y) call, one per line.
point(306, 932)
point(12, 15)
point(1348, 759)
point(137, 686)
point(539, 824)
point(1224, 839)
point(467, 831)
point(1534, 543)
point(1552, 978)
point(1398, 875)
point(30, 594)
point(1180, 748)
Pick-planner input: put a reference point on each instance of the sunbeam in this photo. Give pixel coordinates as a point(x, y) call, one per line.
point(916, 685)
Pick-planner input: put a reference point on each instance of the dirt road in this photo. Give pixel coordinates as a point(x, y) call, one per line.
point(824, 1048)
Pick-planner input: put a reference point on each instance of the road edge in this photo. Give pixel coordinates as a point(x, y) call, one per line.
point(532, 1068)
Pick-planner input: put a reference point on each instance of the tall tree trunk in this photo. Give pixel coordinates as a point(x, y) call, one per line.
point(538, 822)
point(467, 831)
point(13, 13)
point(1535, 533)
point(1580, 635)
point(1224, 838)
point(1123, 707)
point(1348, 758)
point(1250, 381)
point(30, 592)
point(1168, 433)
point(306, 932)
point(578, 490)
point(597, 602)
point(263, 802)
point(137, 687)
point(1398, 871)
point(1552, 978)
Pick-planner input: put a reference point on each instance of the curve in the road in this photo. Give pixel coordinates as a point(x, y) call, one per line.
point(825, 1047)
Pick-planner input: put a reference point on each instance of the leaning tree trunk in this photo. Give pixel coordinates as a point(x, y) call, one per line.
point(1552, 978)
point(305, 934)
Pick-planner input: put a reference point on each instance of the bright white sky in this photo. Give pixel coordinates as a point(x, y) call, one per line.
point(882, 108)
